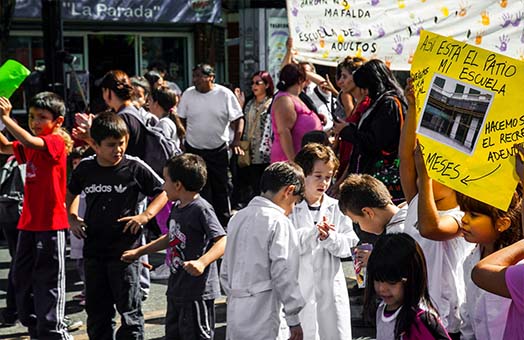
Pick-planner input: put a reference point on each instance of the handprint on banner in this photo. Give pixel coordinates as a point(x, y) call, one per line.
point(401, 3)
point(518, 18)
point(380, 30)
point(463, 8)
point(387, 60)
point(375, 2)
point(445, 11)
point(398, 46)
point(504, 40)
point(410, 59)
point(355, 29)
point(322, 43)
point(520, 53)
point(503, 3)
point(478, 37)
point(485, 17)
point(506, 20)
point(345, 4)
point(314, 48)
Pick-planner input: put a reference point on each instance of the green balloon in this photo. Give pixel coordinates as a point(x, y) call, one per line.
point(12, 74)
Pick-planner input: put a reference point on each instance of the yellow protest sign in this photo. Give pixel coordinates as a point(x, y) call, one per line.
point(470, 113)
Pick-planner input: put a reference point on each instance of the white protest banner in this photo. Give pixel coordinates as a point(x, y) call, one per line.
point(326, 31)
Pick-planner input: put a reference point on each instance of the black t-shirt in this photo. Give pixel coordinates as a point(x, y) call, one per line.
point(192, 230)
point(112, 193)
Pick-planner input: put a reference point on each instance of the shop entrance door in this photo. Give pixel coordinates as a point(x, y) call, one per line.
point(109, 52)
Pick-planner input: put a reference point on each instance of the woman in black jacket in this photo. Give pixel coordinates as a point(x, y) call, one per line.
point(377, 134)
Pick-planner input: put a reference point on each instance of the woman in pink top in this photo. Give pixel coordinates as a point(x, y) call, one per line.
point(290, 117)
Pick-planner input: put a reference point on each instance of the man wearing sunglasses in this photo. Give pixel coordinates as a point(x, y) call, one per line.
point(207, 110)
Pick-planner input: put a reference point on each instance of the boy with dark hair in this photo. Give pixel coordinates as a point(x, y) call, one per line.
point(112, 183)
point(39, 264)
point(260, 267)
point(197, 240)
point(367, 201)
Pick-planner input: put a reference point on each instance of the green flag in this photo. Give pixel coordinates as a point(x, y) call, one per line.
point(12, 74)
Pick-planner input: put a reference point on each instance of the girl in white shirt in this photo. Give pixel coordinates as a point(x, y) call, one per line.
point(397, 275)
point(484, 314)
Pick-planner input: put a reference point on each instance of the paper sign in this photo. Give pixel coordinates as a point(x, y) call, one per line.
point(469, 116)
point(12, 74)
point(326, 31)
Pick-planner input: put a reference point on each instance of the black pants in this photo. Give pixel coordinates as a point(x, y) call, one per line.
point(192, 320)
point(109, 283)
point(39, 278)
point(11, 236)
point(216, 190)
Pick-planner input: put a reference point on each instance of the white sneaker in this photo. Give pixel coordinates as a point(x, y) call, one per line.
point(161, 272)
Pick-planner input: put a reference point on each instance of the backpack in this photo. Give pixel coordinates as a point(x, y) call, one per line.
point(11, 191)
point(158, 148)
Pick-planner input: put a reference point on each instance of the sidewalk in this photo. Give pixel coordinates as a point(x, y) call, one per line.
point(154, 307)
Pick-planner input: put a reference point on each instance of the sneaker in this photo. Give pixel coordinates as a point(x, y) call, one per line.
point(8, 319)
point(72, 325)
point(79, 297)
point(160, 273)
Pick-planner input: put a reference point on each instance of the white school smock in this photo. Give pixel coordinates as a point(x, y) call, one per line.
point(483, 314)
point(444, 261)
point(259, 272)
point(326, 314)
point(396, 224)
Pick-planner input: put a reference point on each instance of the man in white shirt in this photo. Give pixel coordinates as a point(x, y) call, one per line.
point(207, 110)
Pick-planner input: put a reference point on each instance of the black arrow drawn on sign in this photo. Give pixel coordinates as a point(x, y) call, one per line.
point(466, 179)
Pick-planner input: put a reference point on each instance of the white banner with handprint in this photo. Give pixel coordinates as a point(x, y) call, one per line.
point(326, 31)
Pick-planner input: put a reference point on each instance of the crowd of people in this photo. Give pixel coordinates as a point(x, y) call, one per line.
point(326, 173)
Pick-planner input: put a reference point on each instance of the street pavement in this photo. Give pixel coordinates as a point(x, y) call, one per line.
point(154, 307)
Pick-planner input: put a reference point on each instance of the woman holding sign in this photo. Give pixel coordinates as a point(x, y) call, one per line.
point(290, 117)
point(375, 137)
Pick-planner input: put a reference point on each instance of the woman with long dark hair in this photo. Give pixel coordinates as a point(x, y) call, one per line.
point(376, 136)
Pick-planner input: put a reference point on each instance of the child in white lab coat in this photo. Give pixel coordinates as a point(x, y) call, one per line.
point(325, 236)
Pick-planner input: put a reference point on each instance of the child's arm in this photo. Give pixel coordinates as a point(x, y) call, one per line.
point(19, 133)
point(490, 273)
point(408, 173)
point(431, 225)
point(6, 146)
point(159, 244)
point(197, 267)
point(76, 223)
point(134, 223)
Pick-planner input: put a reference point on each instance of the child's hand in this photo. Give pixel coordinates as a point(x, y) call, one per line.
point(78, 227)
point(195, 267)
point(363, 256)
point(519, 163)
point(5, 106)
point(130, 256)
point(324, 228)
point(419, 162)
point(134, 223)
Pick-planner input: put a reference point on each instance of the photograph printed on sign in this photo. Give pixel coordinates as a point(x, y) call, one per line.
point(454, 113)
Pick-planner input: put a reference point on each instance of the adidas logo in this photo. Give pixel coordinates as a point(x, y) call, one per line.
point(120, 188)
point(97, 188)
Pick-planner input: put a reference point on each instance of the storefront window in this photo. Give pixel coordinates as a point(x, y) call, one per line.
point(172, 52)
